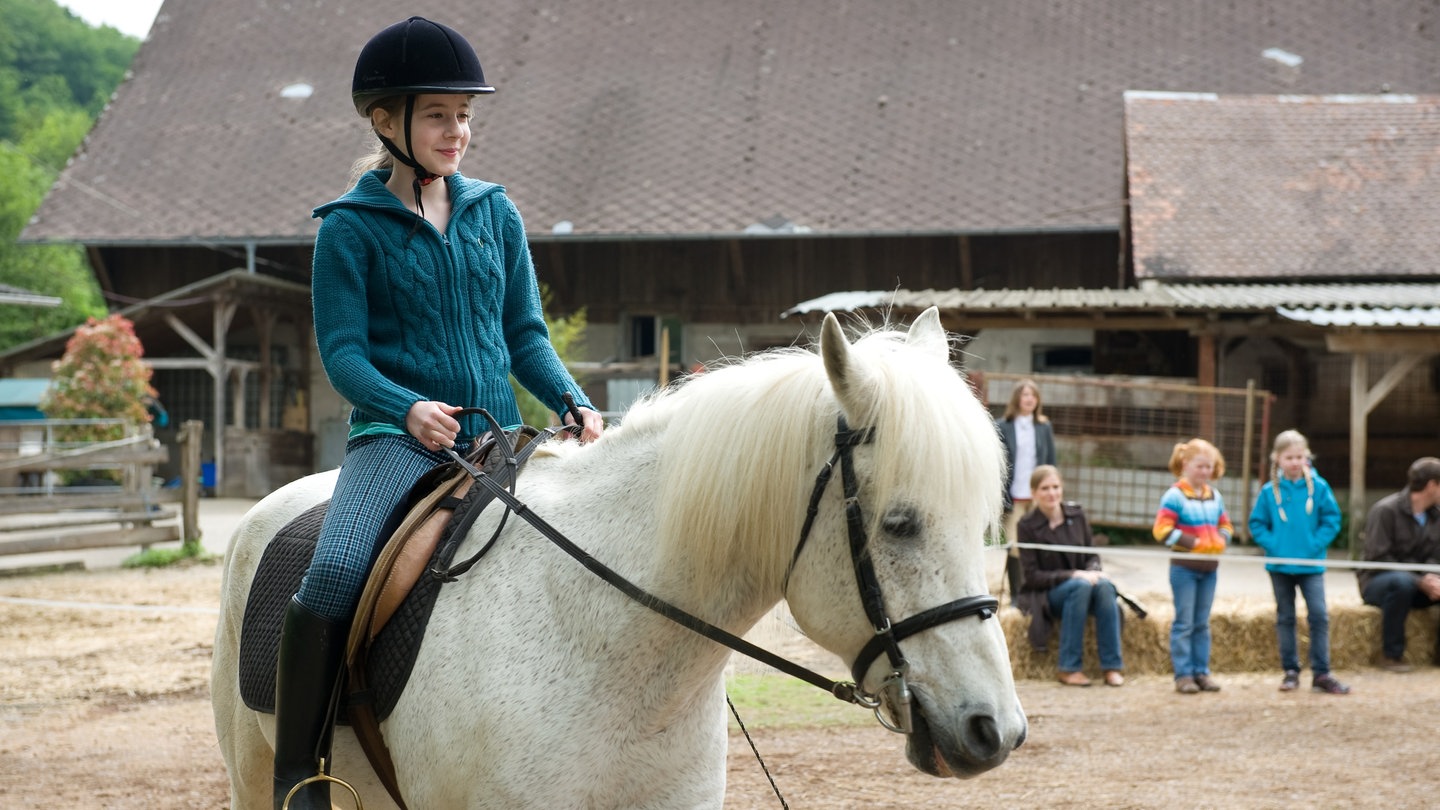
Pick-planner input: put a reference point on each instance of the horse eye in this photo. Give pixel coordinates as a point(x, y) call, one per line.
point(901, 522)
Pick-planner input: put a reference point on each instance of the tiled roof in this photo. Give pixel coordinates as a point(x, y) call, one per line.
point(656, 117)
point(1378, 304)
point(1284, 186)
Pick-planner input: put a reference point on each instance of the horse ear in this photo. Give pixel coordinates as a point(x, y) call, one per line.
point(835, 351)
point(927, 334)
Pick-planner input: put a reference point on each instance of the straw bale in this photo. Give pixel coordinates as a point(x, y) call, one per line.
point(1242, 633)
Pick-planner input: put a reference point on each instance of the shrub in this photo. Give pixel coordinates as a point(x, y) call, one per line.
point(101, 376)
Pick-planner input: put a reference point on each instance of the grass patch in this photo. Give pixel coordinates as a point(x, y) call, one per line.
point(165, 557)
point(780, 701)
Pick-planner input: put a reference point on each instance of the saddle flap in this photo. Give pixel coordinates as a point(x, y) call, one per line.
point(403, 560)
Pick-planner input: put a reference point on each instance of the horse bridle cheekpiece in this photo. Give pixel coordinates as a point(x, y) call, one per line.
point(894, 690)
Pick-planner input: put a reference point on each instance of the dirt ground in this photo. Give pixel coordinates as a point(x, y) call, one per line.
point(108, 708)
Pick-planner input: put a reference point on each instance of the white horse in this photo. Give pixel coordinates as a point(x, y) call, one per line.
point(538, 685)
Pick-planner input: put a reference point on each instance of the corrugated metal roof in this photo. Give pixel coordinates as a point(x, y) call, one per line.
point(1398, 304)
point(22, 391)
point(1383, 317)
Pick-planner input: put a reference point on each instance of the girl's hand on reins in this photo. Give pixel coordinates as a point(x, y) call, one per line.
point(433, 424)
point(591, 426)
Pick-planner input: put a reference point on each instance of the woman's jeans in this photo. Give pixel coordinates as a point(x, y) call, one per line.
point(1194, 593)
point(1072, 602)
point(1312, 588)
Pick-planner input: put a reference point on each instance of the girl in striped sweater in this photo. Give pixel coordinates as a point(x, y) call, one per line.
point(1192, 518)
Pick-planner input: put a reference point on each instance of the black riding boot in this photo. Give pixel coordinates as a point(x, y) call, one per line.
point(307, 679)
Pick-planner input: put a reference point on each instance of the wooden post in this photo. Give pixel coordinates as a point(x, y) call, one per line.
point(191, 434)
point(1359, 433)
point(1208, 378)
point(664, 356)
point(1242, 527)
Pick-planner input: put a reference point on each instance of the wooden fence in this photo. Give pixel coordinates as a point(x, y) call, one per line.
point(62, 494)
point(1113, 439)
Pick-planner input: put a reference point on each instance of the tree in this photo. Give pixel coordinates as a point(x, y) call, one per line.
point(58, 270)
point(566, 335)
point(56, 75)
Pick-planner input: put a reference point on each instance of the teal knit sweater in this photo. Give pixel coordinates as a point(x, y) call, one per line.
point(402, 317)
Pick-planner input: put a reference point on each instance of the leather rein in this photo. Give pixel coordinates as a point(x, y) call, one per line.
point(893, 691)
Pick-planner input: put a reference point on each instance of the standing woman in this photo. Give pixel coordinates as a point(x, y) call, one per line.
point(1192, 518)
point(1029, 442)
point(1065, 585)
point(425, 302)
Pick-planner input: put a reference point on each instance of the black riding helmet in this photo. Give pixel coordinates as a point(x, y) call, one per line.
point(410, 58)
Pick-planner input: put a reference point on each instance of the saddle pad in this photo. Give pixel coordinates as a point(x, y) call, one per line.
point(390, 655)
point(282, 566)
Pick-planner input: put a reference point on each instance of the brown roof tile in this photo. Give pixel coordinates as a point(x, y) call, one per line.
point(652, 117)
point(1284, 186)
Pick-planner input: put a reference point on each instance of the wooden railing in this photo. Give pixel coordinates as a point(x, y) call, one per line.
point(41, 513)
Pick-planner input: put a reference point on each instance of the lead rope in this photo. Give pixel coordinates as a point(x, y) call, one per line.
point(756, 752)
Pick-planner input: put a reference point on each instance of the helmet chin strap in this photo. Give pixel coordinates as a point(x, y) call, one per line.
point(423, 176)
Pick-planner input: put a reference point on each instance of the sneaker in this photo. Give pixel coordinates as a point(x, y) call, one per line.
point(1395, 665)
point(1186, 685)
point(1205, 684)
point(1326, 683)
point(1291, 681)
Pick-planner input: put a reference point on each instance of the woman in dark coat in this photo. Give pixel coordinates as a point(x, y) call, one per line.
point(1064, 585)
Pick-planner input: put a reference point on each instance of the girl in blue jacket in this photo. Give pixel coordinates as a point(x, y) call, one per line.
point(1296, 517)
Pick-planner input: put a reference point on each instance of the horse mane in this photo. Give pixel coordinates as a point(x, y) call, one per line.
point(755, 432)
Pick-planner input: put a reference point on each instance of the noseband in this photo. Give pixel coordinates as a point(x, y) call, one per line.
point(894, 689)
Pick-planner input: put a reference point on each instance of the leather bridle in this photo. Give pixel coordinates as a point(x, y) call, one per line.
point(894, 690)
point(887, 636)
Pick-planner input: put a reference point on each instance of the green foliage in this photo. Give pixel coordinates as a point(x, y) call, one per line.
point(56, 270)
point(56, 74)
point(567, 335)
point(51, 59)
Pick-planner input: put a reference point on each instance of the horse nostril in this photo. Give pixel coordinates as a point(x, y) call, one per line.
point(984, 737)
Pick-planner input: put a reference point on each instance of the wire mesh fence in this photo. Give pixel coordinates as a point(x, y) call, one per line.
point(1114, 437)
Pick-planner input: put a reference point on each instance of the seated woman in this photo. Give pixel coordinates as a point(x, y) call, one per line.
point(1064, 585)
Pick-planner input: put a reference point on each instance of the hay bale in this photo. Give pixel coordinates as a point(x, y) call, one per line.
point(1242, 634)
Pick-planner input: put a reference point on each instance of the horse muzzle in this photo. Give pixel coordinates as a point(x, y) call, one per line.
point(969, 742)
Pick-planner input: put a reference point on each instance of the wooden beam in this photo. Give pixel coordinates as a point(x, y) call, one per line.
point(118, 499)
point(104, 457)
point(74, 541)
point(1207, 374)
point(97, 518)
point(1425, 341)
point(1359, 421)
point(1085, 320)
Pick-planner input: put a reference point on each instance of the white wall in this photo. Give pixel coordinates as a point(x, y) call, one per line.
point(1009, 350)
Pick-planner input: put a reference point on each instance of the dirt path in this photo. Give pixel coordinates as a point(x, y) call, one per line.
point(109, 709)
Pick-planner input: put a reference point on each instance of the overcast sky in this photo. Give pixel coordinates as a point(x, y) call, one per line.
point(132, 17)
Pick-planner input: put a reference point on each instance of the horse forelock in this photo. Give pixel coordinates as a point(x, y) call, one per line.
point(741, 445)
point(935, 443)
point(738, 442)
